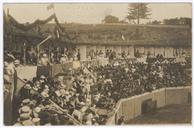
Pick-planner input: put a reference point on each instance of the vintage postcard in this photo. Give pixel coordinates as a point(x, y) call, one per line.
point(97, 63)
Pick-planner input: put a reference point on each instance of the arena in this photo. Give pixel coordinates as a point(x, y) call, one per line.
point(102, 74)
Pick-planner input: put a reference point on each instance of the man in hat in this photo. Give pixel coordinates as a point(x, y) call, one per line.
point(10, 86)
point(17, 63)
point(25, 91)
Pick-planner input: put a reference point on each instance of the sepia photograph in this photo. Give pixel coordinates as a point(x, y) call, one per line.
point(97, 64)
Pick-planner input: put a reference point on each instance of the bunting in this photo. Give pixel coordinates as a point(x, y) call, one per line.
point(59, 31)
point(26, 27)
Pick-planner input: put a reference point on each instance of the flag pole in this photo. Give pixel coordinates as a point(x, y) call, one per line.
point(54, 9)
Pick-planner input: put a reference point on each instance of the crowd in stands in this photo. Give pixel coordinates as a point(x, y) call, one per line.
point(88, 95)
point(71, 54)
point(54, 56)
point(58, 56)
point(108, 53)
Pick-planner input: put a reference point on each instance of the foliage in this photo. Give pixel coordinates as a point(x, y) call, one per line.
point(110, 19)
point(178, 21)
point(155, 22)
point(138, 11)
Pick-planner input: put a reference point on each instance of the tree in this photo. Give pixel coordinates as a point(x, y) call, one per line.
point(110, 19)
point(172, 21)
point(178, 21)
point(138, 11)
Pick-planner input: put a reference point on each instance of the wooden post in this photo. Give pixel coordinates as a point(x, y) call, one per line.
point(38, 53)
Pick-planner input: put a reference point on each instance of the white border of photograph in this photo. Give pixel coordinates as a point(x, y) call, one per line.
point(85, 1)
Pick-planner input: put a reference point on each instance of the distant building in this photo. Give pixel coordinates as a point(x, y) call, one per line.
point(168, 40)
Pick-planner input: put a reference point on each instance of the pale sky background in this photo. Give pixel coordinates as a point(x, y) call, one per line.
point(93, 13)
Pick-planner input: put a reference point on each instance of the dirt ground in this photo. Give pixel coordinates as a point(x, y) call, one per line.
point(171, 114)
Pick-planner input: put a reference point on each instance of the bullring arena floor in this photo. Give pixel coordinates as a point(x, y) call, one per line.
point(171, 114)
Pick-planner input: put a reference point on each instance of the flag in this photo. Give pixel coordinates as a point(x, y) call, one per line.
point(123, 38)
point(51, 6)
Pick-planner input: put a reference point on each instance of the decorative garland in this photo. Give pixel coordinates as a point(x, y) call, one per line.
point(36, 23)
point(26, 27)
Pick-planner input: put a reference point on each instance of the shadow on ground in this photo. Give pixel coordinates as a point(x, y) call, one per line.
point(171, 114)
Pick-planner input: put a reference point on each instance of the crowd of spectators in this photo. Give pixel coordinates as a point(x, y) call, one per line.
point(68, 54)
point(91, 101)
point(134, 79)
point(55, 55)
point(88, 95)
point(108, 53)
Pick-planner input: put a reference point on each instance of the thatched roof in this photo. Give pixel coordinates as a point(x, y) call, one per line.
point(111, 34)
point(120, 34)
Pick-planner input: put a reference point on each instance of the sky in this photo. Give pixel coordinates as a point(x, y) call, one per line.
point(93, 13)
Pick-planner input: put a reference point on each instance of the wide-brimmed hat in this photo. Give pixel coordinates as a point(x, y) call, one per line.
point(37, 109)
point(44, 94)
point(25, 109)
point(27, 86)
point(27, 123)
point(82, 103)
point(17, 62)
point(24, 116)
point(36, 120)
point(25, 102)
point(42, 77)
point(44, 55)
point(17, 124)
point(33, 102)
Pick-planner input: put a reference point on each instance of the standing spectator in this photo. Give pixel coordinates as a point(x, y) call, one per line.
point(9, 89)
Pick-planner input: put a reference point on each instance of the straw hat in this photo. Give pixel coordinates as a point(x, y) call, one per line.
point(44, 55)
point(27, 123)
point(42, 77)
point(24, 116)
point(27, 86)
point(25, 109)
point(25, 102)
point(17, 124)
point(36, 121)
point(82, 103)
point(37, 109)
point(17, 62)
point(44, 94)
